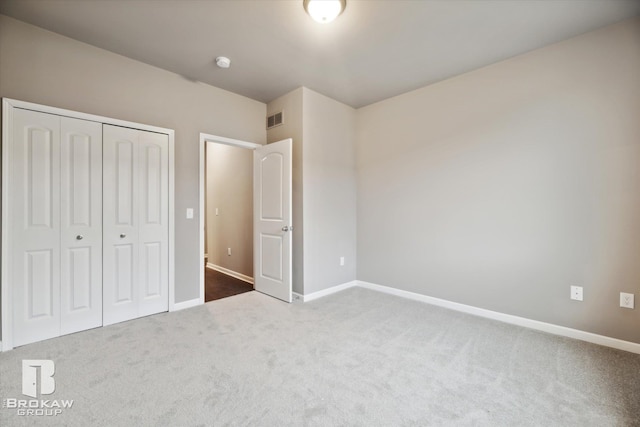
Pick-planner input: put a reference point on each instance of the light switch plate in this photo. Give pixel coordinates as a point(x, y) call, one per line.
point(189, 213)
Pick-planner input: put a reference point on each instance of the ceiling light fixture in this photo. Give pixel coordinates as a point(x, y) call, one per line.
point(324, 11)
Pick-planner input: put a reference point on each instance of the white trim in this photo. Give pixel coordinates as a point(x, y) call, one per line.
point(8, 105)
point(231, 273)
point(7, 324)
point(201, 201)
point(85, 116)
point(508, 318)
point(204, 138)
point(228, 141)
point(172, 228)
point(329, 291)
point(481, 312)
point(186, 304)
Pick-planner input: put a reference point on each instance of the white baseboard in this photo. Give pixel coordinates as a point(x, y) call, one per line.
point(508, 318)
point(481, 312)
point(186, 304)
point(328, 291)
point(231, 273)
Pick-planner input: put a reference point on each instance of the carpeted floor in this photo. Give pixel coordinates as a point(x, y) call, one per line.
point(354, 358)
point(219, 285)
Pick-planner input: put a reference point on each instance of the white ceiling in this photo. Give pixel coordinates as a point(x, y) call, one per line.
point(374, 50)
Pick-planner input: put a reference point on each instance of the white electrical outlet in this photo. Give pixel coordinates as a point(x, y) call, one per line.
point(229, 251)
point(576, 293)
point(341, 261)
point(189, 213)
point(626, 300)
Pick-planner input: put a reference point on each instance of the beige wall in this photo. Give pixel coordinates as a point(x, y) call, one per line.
point(43, 67)
point(291, 107)
point(499, 188)
point(229, 190)
point(329, 191)
point(503, 187)
point(323, 132)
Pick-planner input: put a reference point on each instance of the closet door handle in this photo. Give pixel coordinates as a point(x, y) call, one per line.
point(122, 236)
point(79, 237)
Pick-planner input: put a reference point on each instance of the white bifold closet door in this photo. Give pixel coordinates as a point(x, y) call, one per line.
point(135, 223)
point(56, 225)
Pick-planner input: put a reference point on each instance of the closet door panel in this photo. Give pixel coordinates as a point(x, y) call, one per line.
point(153, 271)
point(120, 225)
point(35, 226)
point(124, 272)
point(81, 225)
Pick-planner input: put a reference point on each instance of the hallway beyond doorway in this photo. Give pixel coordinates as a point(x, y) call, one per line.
point(218, 285)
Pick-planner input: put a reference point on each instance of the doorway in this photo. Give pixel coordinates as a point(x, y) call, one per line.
point(272, 213)
point(228, 221)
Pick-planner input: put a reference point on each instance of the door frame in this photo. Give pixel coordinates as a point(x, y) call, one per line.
point(8, 106)
point(204, 139)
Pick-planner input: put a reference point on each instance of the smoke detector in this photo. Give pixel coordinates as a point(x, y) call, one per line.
point(223, 62)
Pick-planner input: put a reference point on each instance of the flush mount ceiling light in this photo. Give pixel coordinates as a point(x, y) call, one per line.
point(324, 11)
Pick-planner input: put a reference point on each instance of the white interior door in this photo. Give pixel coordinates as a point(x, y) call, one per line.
point(272, 219)
point(135, 235)
point(55, 213)
point(153, 223)
point(119, 236)
point(35, 226)
point(56, 230)
point(81, 225)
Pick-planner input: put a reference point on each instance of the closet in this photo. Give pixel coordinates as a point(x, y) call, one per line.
point(85, 223)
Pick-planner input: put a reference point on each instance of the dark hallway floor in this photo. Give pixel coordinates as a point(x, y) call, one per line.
point(218, 285)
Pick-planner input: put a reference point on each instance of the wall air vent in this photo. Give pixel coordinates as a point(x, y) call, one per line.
point(275, 120)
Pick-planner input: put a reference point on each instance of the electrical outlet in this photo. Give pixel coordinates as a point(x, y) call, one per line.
point(576, 293)
point(626, 300)
point(229, 251)
point(189, 213)
point(341, 261)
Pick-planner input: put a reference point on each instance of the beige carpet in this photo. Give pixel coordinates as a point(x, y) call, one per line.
point(353, 358)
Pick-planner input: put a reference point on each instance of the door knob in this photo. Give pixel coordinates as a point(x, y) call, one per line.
point(122, 236)
point(285, 228)
point(79, 237)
